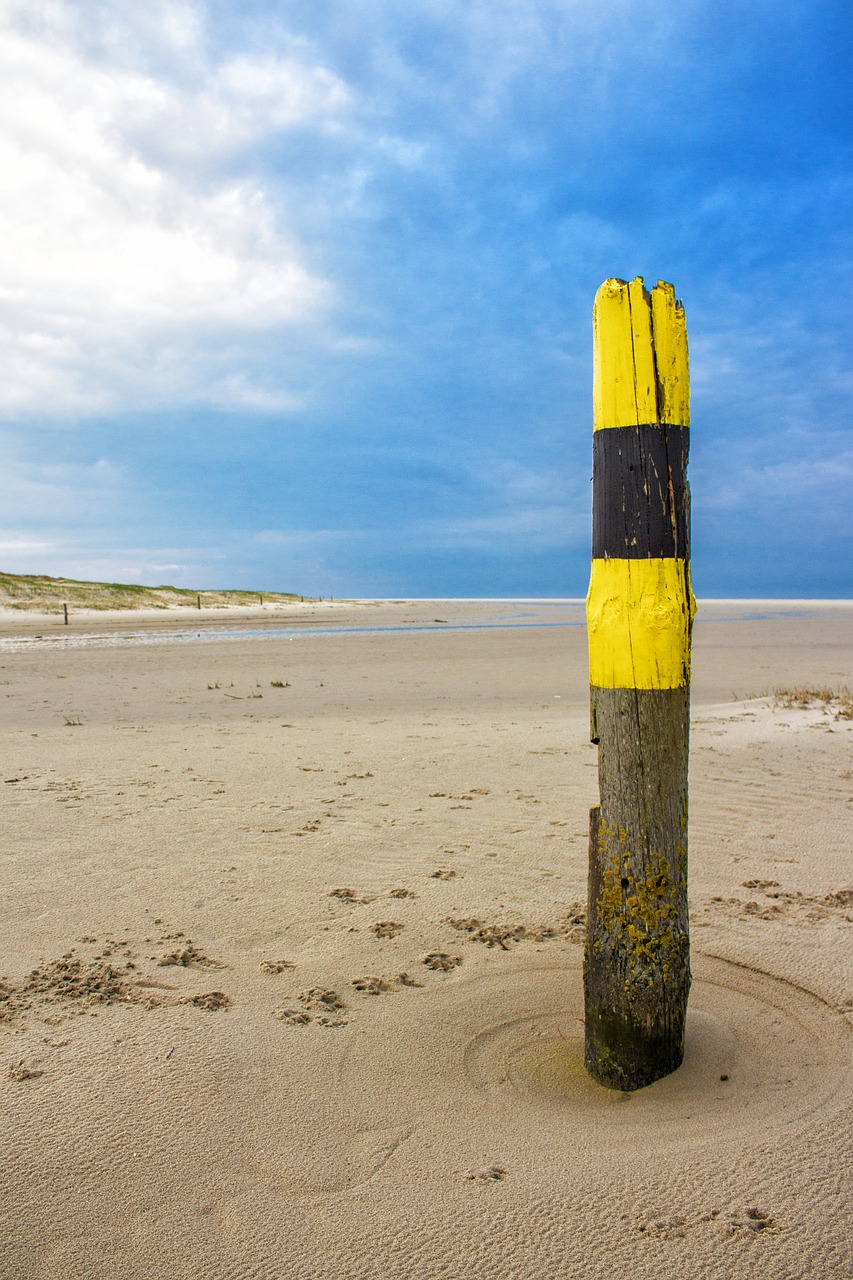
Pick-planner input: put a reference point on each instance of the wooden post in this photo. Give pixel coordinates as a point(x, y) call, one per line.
point(65, 611)
point(198, 602)
point(639, 615)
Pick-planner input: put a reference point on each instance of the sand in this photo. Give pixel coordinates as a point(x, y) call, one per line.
point(292, 951)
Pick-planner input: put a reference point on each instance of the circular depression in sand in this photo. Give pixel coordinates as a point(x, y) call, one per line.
point(760, 1054)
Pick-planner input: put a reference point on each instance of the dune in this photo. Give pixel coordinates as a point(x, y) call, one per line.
point(292, 982)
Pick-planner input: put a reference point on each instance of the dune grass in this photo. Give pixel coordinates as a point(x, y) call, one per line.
point(40, 593)
point(839, 701)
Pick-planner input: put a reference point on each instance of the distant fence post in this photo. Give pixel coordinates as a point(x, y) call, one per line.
point(639, 616)
point(65, 612)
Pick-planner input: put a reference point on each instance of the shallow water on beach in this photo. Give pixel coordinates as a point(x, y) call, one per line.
point(518, 618)
point(94, 640)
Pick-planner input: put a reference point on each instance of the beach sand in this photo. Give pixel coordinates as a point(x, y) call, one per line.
point(292, 950)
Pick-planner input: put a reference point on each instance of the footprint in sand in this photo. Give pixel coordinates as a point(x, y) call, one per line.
point(378, 986)
point(570, 927)
point(317, 1004)
point(189, 956)
point(781, 905)
point(210, 1000)
point(349, 895)
point(441, 962)
point(19, 1071)
point(294, 1017)
point(372, 986)
point(386, 928)
point(676, 1226)
point(493, 1173)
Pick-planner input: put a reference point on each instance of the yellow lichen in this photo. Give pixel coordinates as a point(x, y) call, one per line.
point(637, 912)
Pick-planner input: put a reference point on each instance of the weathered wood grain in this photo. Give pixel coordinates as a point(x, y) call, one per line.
point(637, 959)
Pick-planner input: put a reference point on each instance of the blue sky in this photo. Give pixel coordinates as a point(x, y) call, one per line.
point(297, 296)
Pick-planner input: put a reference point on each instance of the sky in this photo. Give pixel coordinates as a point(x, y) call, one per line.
point(297, 296)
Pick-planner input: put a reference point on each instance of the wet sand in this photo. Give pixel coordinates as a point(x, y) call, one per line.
point(293, 941)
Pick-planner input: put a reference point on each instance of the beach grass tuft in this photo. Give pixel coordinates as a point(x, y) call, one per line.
point(838, 701)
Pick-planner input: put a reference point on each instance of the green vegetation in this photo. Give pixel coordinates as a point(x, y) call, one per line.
point(44, 594)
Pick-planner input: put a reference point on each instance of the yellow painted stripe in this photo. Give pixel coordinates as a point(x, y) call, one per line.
point(642, 341)
point(673, 370)
point(613, 385)
point(639, 614)
point(640, 363)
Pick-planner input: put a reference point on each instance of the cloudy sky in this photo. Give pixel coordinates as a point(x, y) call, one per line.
point(296, 296)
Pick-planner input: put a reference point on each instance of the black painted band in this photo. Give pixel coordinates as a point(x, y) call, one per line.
point(640, 496)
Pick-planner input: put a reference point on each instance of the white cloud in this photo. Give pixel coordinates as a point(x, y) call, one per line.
point(237, 393)
point(126, 229)
point(19, 544)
